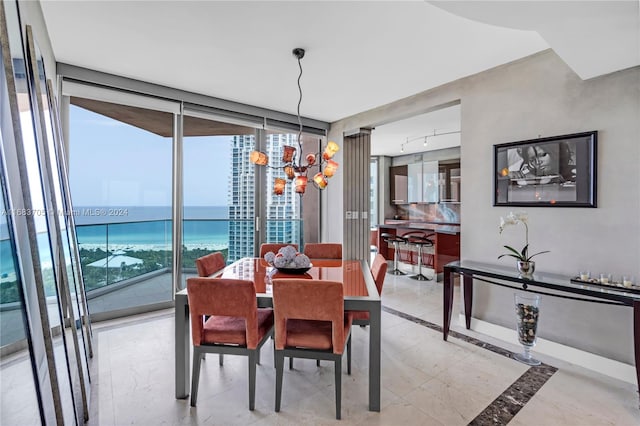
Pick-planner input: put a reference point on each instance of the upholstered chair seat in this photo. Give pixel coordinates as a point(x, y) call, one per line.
point(232, 330)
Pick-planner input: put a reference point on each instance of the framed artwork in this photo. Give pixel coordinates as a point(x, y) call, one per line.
point(558, 171)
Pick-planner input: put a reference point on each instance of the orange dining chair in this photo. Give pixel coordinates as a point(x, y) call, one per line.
point(210, 264)
point(225, 319)
point(378, 270)
point(323, 250)
point(310, 322)
point(274, 247)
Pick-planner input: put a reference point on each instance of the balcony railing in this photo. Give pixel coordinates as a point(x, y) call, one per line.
point(115, 252)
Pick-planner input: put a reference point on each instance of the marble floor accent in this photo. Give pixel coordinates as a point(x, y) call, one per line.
point(425, 380)
point(507, 405)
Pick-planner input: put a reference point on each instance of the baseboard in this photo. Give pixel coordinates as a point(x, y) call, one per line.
point(616, 369)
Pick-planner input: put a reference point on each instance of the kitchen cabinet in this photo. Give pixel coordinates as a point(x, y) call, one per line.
point(398, 182)
point(449, 182)
point(422, 182)
point(430, 182)
point(414, 183)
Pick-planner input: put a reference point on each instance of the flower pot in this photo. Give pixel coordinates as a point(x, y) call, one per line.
point(526, 268)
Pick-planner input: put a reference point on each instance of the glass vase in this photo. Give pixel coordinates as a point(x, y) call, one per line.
point(527, 310)
point(526, 268)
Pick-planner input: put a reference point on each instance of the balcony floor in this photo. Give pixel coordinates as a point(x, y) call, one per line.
point(425, 380)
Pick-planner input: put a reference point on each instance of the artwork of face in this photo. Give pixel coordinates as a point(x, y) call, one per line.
point(541, 160)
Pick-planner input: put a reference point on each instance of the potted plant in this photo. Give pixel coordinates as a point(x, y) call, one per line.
point(525, 265)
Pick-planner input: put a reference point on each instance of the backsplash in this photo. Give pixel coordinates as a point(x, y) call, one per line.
point(441, 212)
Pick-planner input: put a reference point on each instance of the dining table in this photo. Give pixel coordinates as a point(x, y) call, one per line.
point(360, 294)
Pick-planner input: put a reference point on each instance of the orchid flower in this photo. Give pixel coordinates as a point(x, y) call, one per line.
point(514, 219)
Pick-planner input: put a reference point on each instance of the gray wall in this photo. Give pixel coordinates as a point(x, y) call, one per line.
point(541, 96)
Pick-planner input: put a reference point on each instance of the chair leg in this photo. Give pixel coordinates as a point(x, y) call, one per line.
point(221, 359)
point(253, 358)
point(338, 374)
point(195, 376)
point(258, 356)
point(290, 363)
point(317, 363)
point(349, 355)
point(279, 357)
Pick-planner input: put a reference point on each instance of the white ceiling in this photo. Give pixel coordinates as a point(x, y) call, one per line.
point(360, 54)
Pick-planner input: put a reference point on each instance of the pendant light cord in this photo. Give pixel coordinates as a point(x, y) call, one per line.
point(299, 119)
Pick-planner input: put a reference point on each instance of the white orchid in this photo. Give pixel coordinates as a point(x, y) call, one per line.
point(514, 219)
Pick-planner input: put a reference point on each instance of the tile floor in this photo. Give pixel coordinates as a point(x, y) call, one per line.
point(425, 380)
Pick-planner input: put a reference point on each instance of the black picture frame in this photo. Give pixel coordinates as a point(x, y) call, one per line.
point(557, 171)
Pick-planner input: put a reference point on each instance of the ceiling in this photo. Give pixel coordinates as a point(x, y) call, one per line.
point(359, 54)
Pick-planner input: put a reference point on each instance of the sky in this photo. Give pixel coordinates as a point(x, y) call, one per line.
point(142, 163)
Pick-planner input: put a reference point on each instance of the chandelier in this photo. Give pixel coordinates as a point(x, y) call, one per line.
point(292, 164)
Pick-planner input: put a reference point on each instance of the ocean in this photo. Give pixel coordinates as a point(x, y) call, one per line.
point(135, 228)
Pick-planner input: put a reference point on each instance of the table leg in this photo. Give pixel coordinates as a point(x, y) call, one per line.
point(636, 338)
point(183, 349)
point(375, 334)
point(448, 301)
point(468, 299)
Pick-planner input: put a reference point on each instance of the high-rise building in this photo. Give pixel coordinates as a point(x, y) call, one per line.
point(283, 211)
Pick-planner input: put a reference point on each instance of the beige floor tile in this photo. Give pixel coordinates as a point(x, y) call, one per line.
point(425, 380)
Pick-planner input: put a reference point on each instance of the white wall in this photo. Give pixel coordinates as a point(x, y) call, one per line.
point(541, 96)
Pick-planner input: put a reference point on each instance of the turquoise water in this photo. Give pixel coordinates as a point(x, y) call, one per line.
point(155, 234)
point(151, 228)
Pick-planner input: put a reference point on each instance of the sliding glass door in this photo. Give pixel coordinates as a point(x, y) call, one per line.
point(121, 185)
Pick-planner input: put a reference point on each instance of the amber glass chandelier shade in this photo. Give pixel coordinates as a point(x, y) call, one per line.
point(311, 159)
point(301, 184)
point(287, 153)
point(330, 168)
point(259, 158)
point(289, 171)
point(278, 186)
point(330, 150)
point(320, 181)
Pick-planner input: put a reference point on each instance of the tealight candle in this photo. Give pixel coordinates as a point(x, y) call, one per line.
point(627, 281)
point(605, 278)
point(585, 275)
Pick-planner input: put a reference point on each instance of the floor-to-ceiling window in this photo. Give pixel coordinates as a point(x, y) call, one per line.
point(15, 362)
point(218, 188)
point(121, 184)
point(41, 316)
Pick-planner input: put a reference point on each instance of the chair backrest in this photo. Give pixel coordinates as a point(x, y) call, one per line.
point(379, 271)
point(323, 250)
point(299, 298)
point(210, 263)
point(225, 297)
point(274, 247)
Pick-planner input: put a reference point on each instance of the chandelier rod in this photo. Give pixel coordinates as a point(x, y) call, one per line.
point(299, 53)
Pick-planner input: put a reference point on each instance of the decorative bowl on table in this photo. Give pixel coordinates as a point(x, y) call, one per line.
point(289, 261)
point(294, 271)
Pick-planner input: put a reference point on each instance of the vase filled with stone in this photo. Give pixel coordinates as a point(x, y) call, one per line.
point(527, 310)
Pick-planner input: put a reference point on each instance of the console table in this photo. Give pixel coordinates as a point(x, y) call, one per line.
point(539, 283)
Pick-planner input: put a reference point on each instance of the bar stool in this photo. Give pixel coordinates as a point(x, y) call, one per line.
point(419, 242)
point(395, 240)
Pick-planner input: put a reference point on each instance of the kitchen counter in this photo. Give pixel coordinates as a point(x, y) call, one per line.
point(443, 228)
point(446, 242)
